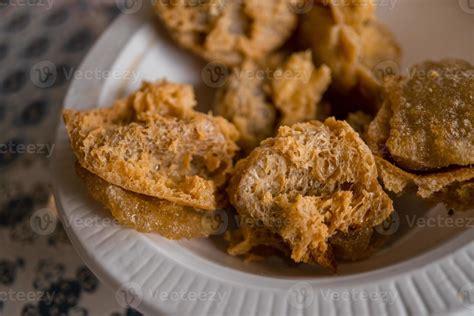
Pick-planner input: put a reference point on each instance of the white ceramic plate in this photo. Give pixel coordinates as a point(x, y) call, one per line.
point(428, 268)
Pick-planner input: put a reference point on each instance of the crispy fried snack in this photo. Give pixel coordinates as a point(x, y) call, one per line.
point(144, 213)
point(256, 94)
point(309, 182)
point(228, 30)
point(244, 102)
point(298, 87)
point(350, 40)
point(153, 143)
point(424, 133)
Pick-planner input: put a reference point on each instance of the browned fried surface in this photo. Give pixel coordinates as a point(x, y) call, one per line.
point(256, 94)
point(228, 30)
point(433, 116)
point(426, 124)
point(153, 143)
point(309, 182)
point(244, 102)
point(348, 38)
point(454, 187)
point(298, 87)
point(145, 213)
point(356, 244)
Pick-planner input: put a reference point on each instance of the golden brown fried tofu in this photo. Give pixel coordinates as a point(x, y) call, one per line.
point(226, 30)
point(153, 143)
point(452, 187)
point(357, 244)
point(256, 94)
point(309, 182)
point(350, 40)
point(424, 133)
point(432, 125)
point(298, 87)
point(244, 102)
point(147, 214)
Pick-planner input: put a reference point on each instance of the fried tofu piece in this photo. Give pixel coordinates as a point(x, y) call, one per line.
point(153, 143)
point(255, 242)
point(432, 125)
point(356, 244)
point(147, 214)
point(423, 134)
point(244, 102)
point(453, 187)
point(298, 87)
point(289, 88)
point(309, 182)
point(350, 40)
point(226, 30)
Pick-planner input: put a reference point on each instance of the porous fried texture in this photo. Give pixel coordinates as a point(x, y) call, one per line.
point(453, 188)
point(355, 13)
point(433, 116)
point(423, 134)
point(298, 87)
point(153, 143)
point(310, 181)
point(244, 103)
point(228, 30)
point(144, 213)
point(257, 93)
point(350, 40)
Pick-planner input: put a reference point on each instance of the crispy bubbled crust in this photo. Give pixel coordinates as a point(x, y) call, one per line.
point(227, 30)
point(423, 134)
point(309, 182)
point(144, 213)
point(153, 143)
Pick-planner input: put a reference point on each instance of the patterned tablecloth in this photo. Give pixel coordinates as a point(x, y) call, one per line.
point(41, 274)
